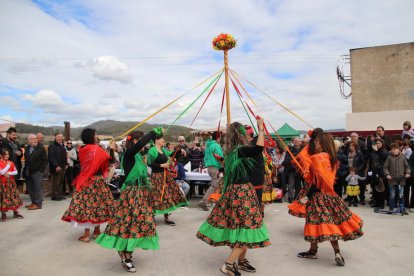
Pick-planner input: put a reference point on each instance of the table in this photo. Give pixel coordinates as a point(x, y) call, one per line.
point(197, 179)
point(196, 176)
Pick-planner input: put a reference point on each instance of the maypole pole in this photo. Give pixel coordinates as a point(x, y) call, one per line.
point(225, 42)
point(226, 75)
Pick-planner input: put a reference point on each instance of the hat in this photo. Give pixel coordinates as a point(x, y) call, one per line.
point(181, 138)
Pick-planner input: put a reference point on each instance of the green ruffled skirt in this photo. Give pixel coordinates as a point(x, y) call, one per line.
point(171, 199)
point(133, 224)
point(236, 220)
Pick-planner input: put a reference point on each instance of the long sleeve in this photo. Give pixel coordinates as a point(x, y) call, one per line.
point(128, 159)
point(44, 160)
point(5, 169)
point(13, 172)
point(407, 167)
point(72, 154)
point(52, 159)
point(250, 151)
point(361, 177)
point(143, 141)
point(347, 178)
point(387, 166)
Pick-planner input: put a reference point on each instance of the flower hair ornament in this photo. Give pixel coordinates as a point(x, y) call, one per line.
point(242, 130)
point(129, 137)
point(310, 133)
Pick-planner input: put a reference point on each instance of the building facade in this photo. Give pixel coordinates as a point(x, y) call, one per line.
point(382, 87)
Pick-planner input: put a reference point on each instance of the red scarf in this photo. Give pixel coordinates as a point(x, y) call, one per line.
point(3, 164)
point(93, 159)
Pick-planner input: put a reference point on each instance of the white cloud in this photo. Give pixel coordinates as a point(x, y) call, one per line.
point(46, 99)
point(8, 101)
point(160, 49)
point(110, 68)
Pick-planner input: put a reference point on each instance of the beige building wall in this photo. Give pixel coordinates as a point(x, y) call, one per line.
point(382, 86)
point(370, 120)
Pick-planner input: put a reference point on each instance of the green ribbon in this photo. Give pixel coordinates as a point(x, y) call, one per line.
point(247, 113)
point(198, 97)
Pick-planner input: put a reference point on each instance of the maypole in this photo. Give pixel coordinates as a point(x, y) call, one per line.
point(225, 42)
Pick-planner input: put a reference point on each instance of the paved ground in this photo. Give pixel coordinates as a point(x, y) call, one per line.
point(41, 244)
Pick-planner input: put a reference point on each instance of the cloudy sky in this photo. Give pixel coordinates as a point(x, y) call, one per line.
point(88, 60)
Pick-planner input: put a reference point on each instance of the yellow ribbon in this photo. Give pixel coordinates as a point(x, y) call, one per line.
point(165, 107)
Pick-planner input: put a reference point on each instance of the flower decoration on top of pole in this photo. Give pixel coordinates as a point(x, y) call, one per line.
point(225, 42)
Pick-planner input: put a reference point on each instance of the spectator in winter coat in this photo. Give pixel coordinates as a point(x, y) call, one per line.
point(58, 163)
point(396, 169)
point(377, 155)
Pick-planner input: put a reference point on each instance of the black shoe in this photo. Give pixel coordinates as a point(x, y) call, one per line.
point(340, 261)
point(62, 197)
point(311, 254)
point(57, 199)
point(128, 266)
point(230, 269)
point(169, 222)
point(245, 265)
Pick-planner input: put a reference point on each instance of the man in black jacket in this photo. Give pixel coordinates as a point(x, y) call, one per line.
point(12, 145)
point(293, 177)
point(58, 163)
point(36, 162)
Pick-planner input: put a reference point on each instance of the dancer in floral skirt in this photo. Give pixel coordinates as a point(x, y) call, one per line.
point(9, 194)
point(167, 196)
point(133, 223)
point(328, 218)
point(269, 195)
point(236, 220)
point(298, 208)
point(92, 202)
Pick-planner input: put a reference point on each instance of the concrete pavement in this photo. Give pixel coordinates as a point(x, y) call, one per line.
point(41, 244)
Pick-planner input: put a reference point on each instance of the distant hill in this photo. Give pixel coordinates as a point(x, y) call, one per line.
point(108, 128)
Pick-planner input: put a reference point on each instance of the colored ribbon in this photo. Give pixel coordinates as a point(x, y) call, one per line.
point(205, 100)
point(221, 110)
point(166, 106)
point(198, 97)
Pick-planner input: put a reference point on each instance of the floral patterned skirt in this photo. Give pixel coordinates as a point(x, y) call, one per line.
point(9, 195)
point(236, 220)
point(171, 199)
point(328, 218)
point(297, 208)
point(269, 195)
point(91, 206)
point(133, 224)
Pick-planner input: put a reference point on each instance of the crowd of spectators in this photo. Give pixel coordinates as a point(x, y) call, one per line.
point(378, 164)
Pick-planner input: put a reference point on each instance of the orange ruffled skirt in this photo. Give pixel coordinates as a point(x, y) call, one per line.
point(328, 218)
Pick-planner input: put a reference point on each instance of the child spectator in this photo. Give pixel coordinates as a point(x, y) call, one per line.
point(407, 130)
point(396, 169)
point(406, 150)
point(352, 190)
